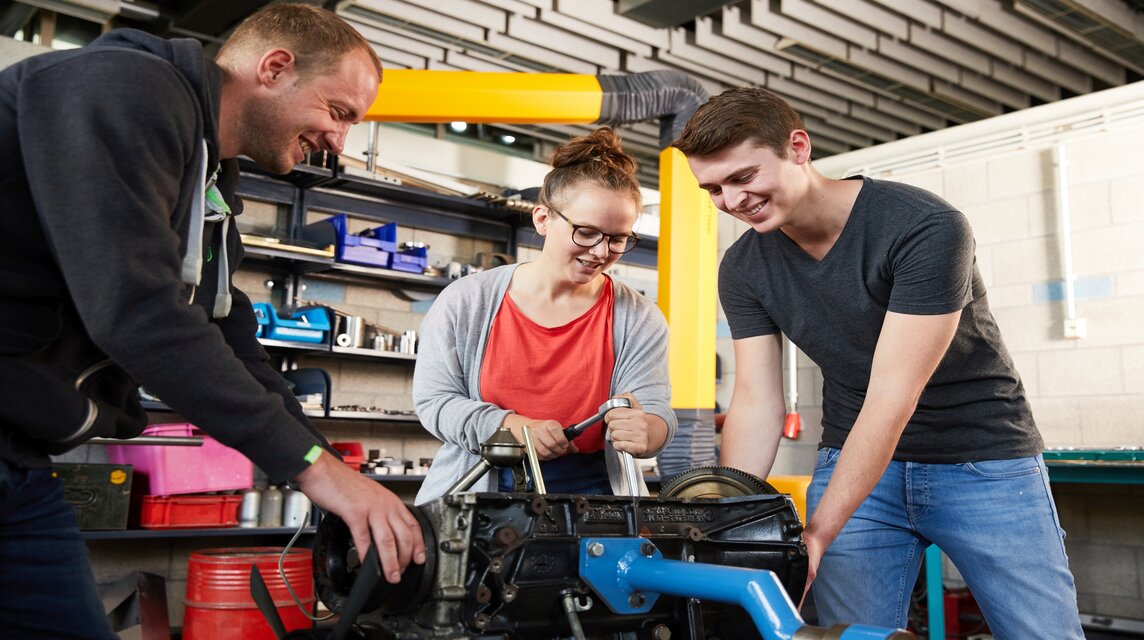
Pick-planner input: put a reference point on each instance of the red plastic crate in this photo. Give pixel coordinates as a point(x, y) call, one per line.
point(189, 512)
point(352, 453)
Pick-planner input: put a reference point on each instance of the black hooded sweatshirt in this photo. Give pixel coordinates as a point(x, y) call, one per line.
point(102, 171)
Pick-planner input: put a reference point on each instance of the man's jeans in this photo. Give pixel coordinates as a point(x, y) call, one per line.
point(995, 520)
point(47, 589)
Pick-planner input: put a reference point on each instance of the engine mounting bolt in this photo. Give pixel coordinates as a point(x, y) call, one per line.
point(648, 549)
point(596, 549)
point(636, 600)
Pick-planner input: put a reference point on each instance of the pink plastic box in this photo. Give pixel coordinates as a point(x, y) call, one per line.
point(171, 470)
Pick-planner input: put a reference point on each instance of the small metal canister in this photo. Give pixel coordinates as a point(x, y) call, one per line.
point(295, 508)
point(270, 511)
point(248, 510)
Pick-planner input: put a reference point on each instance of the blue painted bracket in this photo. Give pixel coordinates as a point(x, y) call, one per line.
point(629, 574)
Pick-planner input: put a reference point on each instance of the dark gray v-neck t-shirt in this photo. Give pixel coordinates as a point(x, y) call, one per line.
point(905, 250)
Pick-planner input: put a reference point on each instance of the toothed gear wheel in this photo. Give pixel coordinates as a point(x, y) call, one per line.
point(715, 482)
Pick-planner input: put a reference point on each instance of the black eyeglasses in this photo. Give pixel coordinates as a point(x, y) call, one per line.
point(589, 237)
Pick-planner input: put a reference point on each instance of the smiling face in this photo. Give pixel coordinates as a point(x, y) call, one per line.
point(295, 114)
point(612, 212)
point(753, 184)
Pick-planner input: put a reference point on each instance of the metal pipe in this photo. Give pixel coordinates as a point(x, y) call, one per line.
point(1060, 163)
point(170, 441)
point(758, 591)
point(533, 461)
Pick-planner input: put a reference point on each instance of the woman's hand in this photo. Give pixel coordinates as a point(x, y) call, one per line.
point(547, 436)
point(630, 429)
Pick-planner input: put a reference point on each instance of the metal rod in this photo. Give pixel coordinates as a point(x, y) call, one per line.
point(170, 441)
point(470, 478)
point(533, 460)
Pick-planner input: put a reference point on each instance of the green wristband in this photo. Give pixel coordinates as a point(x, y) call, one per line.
point(312, 455)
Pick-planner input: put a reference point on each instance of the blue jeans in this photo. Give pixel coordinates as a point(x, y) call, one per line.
point(47, 589)
point(996, 521)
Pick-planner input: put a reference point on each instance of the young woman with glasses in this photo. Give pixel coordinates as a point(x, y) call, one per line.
point(545, 343)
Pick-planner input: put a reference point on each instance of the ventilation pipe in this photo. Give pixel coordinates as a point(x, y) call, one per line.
point(670, 96)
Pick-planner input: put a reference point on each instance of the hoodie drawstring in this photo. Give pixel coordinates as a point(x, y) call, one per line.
point(208, 197)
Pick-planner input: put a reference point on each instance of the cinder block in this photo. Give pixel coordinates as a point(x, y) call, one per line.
point(1127, 199)
point(964, 185)
point(1108, 249)
point(1008, 296)
point(1104, 569)
point(1080, 372)
point(1089, 206)
point(1058, 420)
point(1019, 174)
point(1116, 606)
point(1113, 155)
point(1130, 284)
point(999, 221)
point(1112, 421)
point(1133, 359)
point(1072, 509)
point(1116, 520)
point(1024, 261)
point(932, 180)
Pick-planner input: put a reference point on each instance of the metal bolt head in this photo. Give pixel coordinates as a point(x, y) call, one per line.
point(661, 632)
point(648, 549)
point(636, 600)
point(596, 549)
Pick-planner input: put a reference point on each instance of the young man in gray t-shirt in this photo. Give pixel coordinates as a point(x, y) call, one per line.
point(927, 435)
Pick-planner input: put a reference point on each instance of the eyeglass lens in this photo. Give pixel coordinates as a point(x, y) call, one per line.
point(587, 237)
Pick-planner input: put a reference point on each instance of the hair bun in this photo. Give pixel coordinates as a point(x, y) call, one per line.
point(601, 145)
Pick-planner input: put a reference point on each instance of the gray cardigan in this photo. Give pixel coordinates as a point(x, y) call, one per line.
point(446, 381)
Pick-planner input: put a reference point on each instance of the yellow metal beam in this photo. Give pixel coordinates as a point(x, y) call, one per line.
point(418, 95)
point(687, 262)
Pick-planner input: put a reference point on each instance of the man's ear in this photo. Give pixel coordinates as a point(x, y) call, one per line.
point(800, 146)
point(274, 65)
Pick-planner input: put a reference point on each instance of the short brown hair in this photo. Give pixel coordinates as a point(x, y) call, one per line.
point(319, 38)
point(736, 115)
point(596, 159)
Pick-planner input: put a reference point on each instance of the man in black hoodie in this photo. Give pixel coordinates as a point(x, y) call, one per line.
point(116, 194)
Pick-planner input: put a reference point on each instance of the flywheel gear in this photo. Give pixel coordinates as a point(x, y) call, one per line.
point(715, 482)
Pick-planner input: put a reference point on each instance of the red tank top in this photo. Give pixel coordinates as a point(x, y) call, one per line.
point(556, 373)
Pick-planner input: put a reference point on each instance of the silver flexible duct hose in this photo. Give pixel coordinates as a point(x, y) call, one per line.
point(671, 96)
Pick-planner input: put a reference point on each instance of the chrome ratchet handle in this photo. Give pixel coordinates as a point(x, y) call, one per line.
point(612, 403)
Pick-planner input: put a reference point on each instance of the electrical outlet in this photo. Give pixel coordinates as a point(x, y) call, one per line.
point(1075, 328)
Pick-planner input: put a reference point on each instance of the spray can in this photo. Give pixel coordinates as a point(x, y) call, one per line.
point(249, 508)
point(270, 512)
point(295, 508)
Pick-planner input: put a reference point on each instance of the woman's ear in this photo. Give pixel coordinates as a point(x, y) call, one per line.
point(540, 219)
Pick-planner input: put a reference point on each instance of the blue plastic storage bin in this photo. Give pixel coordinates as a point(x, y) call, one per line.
point(311, 324)
point(364, 249)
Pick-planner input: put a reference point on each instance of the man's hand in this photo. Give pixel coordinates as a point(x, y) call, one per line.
point(371, 512)
point(815, 547)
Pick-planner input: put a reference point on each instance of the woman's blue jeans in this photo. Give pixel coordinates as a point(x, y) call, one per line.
point(996, 521)
point(47, 589)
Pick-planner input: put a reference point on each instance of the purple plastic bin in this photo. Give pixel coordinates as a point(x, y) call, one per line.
point(172, 470)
